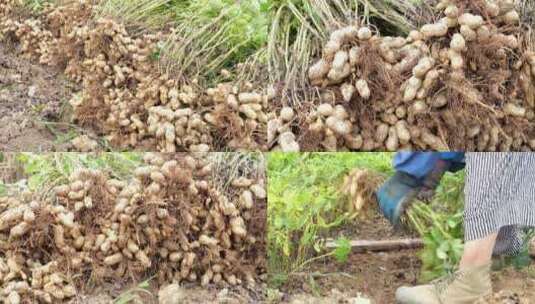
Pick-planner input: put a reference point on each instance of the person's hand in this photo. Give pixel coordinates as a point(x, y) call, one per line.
point(432, 180)
point(426, 194)
point(396, 195)
point(399, 191)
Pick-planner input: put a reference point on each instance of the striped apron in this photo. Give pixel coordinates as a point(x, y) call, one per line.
point(500, 197)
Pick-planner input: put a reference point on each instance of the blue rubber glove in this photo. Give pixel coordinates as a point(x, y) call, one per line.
point(396, 194)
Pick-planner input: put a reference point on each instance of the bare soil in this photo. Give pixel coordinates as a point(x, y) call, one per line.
point(31, 97)
point(513, 286)
point(222, 296)
point(375, 276)
point(193, 294)
point(372, 226)
point(372, 277)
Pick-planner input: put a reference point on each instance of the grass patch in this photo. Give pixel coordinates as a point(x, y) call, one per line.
point(44, 170)
point(37, 5)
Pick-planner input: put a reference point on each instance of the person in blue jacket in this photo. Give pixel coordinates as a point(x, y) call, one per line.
point(417, 175)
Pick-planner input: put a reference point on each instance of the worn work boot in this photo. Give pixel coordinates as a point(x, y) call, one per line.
point(462, 287)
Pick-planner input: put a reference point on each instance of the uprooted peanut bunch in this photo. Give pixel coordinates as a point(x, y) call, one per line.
point(464, 82)
point(169, 221)
point(126, 96)
point(359, 187)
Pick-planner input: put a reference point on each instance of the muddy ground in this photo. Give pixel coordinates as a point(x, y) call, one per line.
point(374, 277)
point(33, 102)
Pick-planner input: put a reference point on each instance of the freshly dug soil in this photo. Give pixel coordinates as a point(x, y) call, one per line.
point(372, 227)
point(376, 276)
point(513, 287)
point(30, 95)
point(193, 295)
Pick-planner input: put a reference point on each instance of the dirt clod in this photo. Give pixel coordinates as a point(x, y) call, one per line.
point(171, 294)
